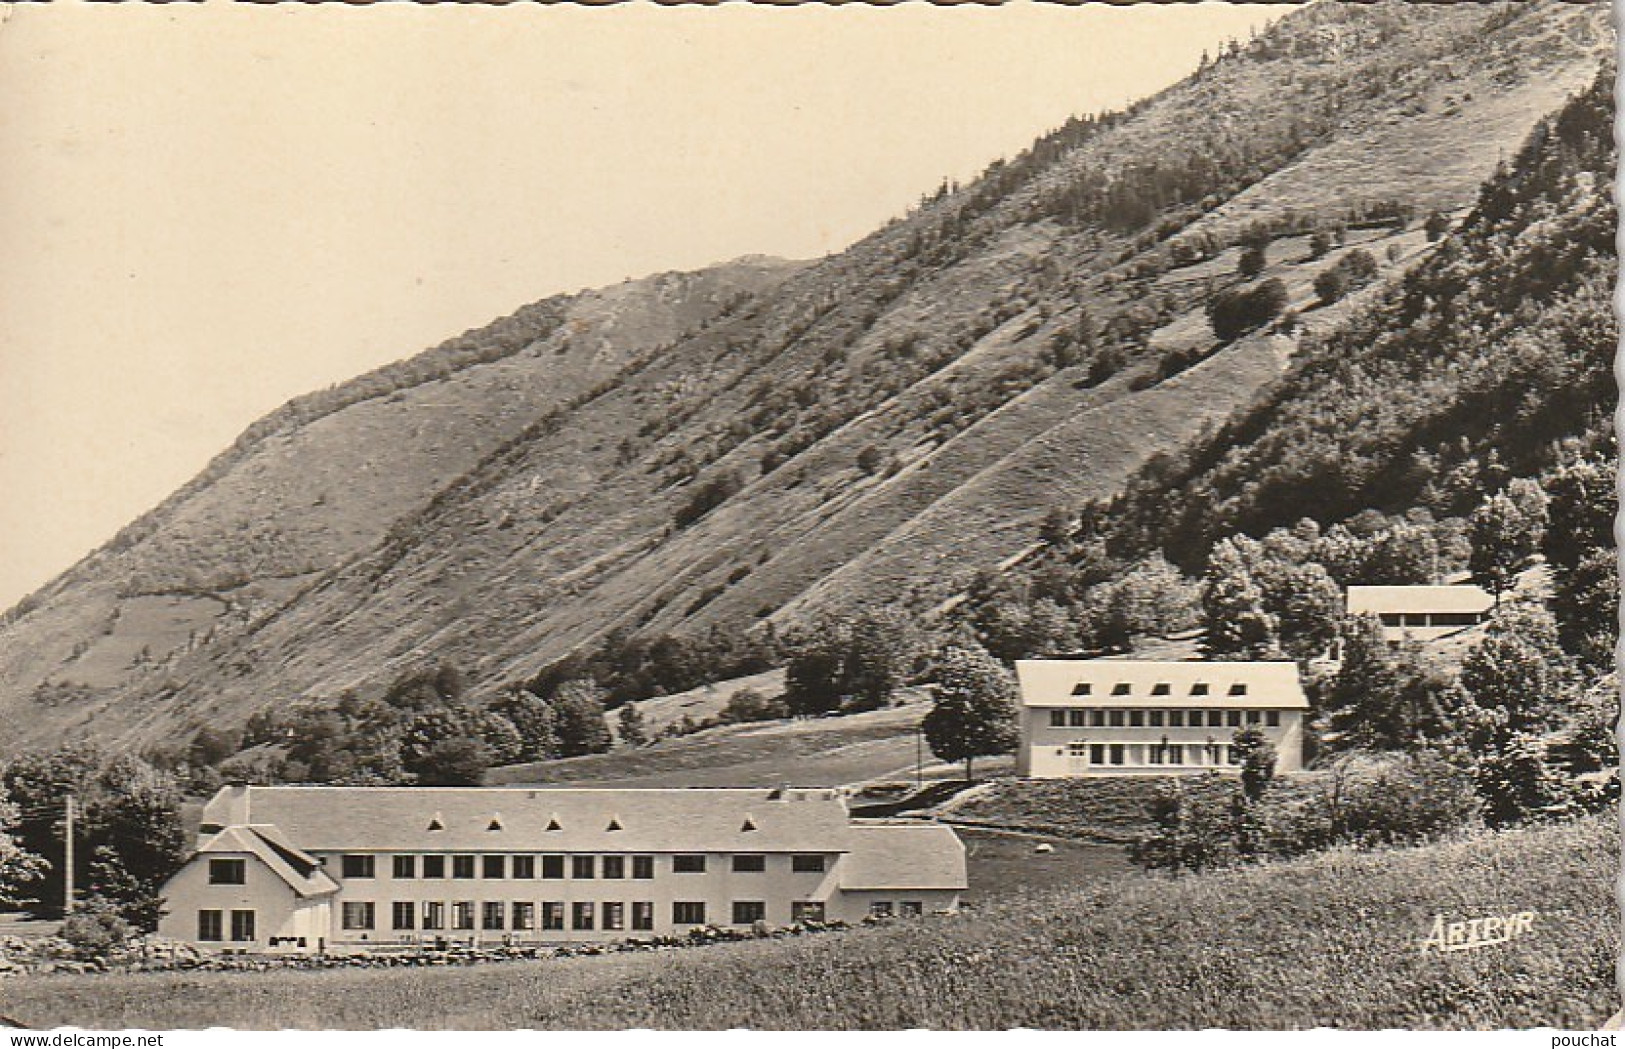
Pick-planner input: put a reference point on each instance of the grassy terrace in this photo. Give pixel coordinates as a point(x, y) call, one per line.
point(1332, 940)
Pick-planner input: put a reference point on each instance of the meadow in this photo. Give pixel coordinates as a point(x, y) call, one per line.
point(1332, 940)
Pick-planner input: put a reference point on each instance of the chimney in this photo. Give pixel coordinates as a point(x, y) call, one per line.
point(228, 808)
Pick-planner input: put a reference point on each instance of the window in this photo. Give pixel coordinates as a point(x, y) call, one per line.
point(1215, 718)
point(434, 866)
point(1115, 718)
point(614, 866)
point(1136, 718)
point(552, 866)
point(1097, 718)
point(643, 867)
point(242, 926)
point(462, 914)
point(524, 917)
point(808, 864)
point(1160, 689)
point(583, 866)
point(552, 917)
point(581, 916)
point(209, 926)
point(434, 916)
point(462, 866)
point(1199, 689)
point(807, 911)
point(1082, 688)
point(911, 908)
point(1195, 719)
point(1176, 719)
point(1076, 718)
point(358, 915)
point(1232, 756)
point(614, 917)
point(1156, 718)
point(1232, 718)
point(404, 867)
point(401, 914)
point(492, 915)
point(1057, 719)
point(1272, 718)
point(881, 909)
point(1156, 751)
point(1176, 755)
point(494, 867)
point(1121, 689)
point(687, 913)
point(688, 864)
point(748, 912)
point(1116, 753)
point(228, 872)
point(750, 864)
point(524, 866)
point(1238, 689)
point(357, 866)
point(1252, 717)
point(1097, 753)
point(643, 916)
point(1077, 749)
point(1390, 618)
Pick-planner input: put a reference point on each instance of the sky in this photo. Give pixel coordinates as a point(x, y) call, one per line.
point(209, 209)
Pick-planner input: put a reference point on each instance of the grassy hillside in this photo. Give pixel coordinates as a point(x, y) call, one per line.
point(889, 420)
point(1332, 941)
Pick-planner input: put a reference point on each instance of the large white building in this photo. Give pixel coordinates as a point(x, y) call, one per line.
point(1084, 717)
point(1423, 613)
point(345, 868)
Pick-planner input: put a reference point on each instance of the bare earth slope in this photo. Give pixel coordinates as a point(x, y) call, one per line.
point(891, 419)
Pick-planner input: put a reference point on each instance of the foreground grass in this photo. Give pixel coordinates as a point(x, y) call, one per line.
point(1328, 941)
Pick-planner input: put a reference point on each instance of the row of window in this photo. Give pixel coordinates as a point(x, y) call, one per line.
point(364, 865)
point(1161, 688)
point(1432, 618)
point(523, 916)
point(1091, 718)
point(211, 926)
point(1164, 753)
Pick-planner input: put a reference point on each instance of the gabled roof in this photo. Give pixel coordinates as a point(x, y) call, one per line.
point(904, 855)
point(301, 871)
point(1133, 683)
point(1374, 600)
point(362, 819)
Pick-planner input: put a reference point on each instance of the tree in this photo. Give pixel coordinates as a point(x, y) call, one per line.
point(1519, 670)
point(747, 704)
point(579, 707)
point(1253, 259)
point(1319, 244)
point(1233, 312)
point(1256, 755)
point(851, 662)
point(1387, 699)
point(1579, 547)
point(1520, 785)
point(1505, 532)
point(1152, 598)
point(631, 727)
point(1437, 225)
point(1330, 285)
point(534, 720)
point(973, 714)
point(19, 868)
point(458, 761)
point(870, 459)
point(1233, 607)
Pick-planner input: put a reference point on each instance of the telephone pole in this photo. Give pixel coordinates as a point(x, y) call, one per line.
point(67, 860)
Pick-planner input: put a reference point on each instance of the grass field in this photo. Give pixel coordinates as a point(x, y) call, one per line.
point(820, 752)
point(1333, 940)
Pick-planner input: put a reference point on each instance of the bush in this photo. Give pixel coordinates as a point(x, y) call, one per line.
point(747, 704)
point(95, 930)
point(1234, 313)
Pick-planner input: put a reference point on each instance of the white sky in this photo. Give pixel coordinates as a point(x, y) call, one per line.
point(208, 210)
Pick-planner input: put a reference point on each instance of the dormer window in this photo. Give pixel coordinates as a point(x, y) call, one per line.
point(1238, 689)
point(1160, 689)
point(1199, 689)
point(1082, 688)
point(614, 823)
point(1120, 689)
point(496, 822)
point(553, 823)
point(436, 823)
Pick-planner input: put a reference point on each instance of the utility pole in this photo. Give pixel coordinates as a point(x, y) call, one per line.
point(67, 860)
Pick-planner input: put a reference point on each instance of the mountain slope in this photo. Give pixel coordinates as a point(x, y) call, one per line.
point(872, 427)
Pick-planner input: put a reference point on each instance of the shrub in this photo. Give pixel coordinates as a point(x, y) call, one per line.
point(95, 930)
